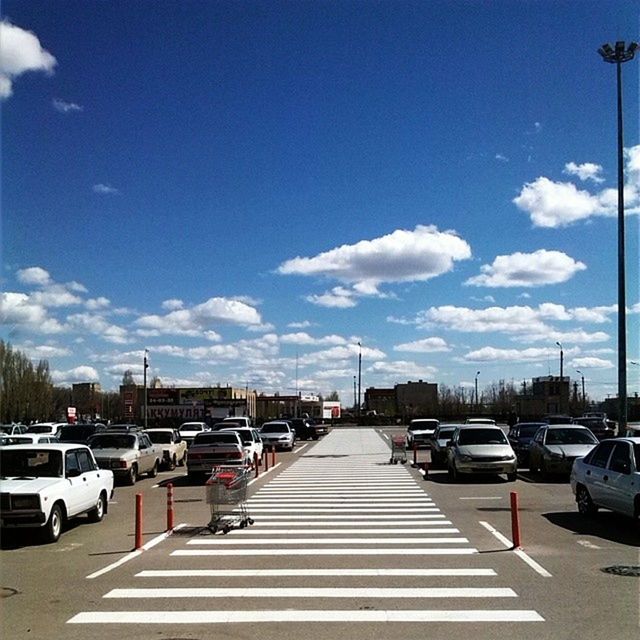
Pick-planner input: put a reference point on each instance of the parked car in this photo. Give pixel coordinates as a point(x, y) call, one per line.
point(213, 449)
point(12, 429)
point(279, 434)
point(46, 428)
point(128, 455)
point(600, 426)
point(189, 430)
point(126, 427)
point(32, 438)
point(480, 450)
point(439, 440)
point(520, 436)
point(80, 433)
point(307, 429)
point(251, 441)
point(555, 447)
point(42, 486)
point(174, 448)
point(479, 421)
point(557, 418)
point(419, 432)
point(609, 477)
point(243, 421)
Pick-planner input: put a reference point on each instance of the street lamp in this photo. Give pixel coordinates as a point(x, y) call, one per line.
point(617, 55)
point(584, 398)
point(359, 380)
point(146, 366)
point(355, 395)
point(561, 375)
point(477, 374)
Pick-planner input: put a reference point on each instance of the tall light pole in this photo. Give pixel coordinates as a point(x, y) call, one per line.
point(359, 379)
point(355, 396)
point(561, 375)
point(617, 55)
point(477, 374)
point(584, 397)
point(146, 366)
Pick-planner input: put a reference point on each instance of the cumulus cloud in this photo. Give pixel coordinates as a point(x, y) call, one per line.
point(20, 309)
point(305, 324)
point(66, 107)
point(82, 373)
point(20, 51)
point(401, 370)
point(43, 351)
point(558, 204)
point(95, 304)
point(303, 338)
point(34, 275)
point(173, 304)
point(193, 321)
point(586, 171)
point(97, 325)
point(338, 297)
point(591, 363)
point(426, 345)
point(492, 354)
point(401, 256)
point(535, 269)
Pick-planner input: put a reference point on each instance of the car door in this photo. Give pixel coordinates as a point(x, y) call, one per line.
point(535, 452)
point(619, 489)
point(146, 451)
point(91, 474)
point(76, 494)
point(596, 470)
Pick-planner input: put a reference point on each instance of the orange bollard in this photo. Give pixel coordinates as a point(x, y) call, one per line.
point(515, 520)
point(170, 514)
point(138, 521)
point(256, 464)
point(265, 455)
point(273, 455)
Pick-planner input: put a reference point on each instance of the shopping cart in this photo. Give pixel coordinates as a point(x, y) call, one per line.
point(227, 498)
point(398, 450)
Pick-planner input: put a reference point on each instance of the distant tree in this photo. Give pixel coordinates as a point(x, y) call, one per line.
point(155, 383)
point(333, 397)
point(127, 378)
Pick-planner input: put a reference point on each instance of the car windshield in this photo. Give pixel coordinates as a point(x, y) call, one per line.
point(245, 436)
point(31, 463)
point(112, 441)
point(445, 434)
point(528, 430)
point(217, 437)
point(6, 428)
point(274, 428)
point(570, 436)
point(477, 435)
point(75, 433)
point(45, 428)
point(423, 424)
point(191, 427)
point(160, 437)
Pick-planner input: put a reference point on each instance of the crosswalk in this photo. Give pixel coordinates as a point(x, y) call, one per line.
point(337, 536)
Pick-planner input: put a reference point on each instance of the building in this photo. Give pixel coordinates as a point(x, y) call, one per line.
point(417, 399)
point(271, 407)
point(382, 401)
point(545, 396)
point(86, 397)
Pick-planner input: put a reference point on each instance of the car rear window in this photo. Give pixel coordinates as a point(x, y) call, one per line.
point(112, 441)
point(160, 437)
point(217, 437)
point(274, 428)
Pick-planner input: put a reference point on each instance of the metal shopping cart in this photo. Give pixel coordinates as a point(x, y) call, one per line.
point(398, 450)
point(227, 498)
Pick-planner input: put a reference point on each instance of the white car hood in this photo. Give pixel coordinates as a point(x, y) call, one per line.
point(488, 450)
point(33, 485)
point(570, 450)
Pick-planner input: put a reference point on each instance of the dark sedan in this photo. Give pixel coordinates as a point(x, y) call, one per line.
point(520, 437)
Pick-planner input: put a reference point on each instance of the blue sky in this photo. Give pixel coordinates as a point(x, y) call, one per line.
point(249, 189)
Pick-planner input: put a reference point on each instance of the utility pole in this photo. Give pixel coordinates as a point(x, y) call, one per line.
point(359, 381)
point(146, 366)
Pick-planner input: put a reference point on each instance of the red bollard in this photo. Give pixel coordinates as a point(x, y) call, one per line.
point(265, 455)
point(138, 520)
point(273, 456)
point(256, 464)
point(515, 520)
point(170, 524)
point(415, 454)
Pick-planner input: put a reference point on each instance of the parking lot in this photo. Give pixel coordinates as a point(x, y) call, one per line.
point(344, 545)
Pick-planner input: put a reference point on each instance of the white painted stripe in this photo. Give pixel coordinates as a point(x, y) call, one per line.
point(482, 498)
point(316, 491)
point(389, 509)
point(262, 473)
point(392, 518)
point(240, 540)
point(270, 502)
point(134, 554)
point(165, 617)
point(519, 552)
point(270, 573)
point(313, 592)
point(259, 531)
point(327, 552)
point(261, 524)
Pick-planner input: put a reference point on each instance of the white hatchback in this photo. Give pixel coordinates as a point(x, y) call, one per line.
point(609, 477)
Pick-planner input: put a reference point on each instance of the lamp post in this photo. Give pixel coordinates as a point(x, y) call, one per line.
point(584, 397)
point(476, 381)
point(359, 380)
point(355, 396)
point(617, 55)
point(146, 366)
point(561, 375)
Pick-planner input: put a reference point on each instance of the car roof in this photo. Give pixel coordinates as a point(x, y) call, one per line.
point(45, 446)
point(631, 439)
point(565, 426)
point(160, 429)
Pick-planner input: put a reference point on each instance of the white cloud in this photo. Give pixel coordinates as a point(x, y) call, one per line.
point(591, 363)
point(401, 256)
point(535, 269)
point(502, 158)
point(95, 304)
point(82, 373)
point(97, 325)
point(66, 107)
point(20, 51)
point(338, 297)
point(21, 310)
point(195, 320)
point(401, 370)
point(492, 354)
point(303, 338)
point(43, 351)
point(104, 189)
point(173, 304)
point(586, 171)
point(34, 275)
point(305, 324)
point(426, 345)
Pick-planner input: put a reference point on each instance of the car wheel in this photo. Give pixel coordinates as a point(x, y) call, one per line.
point(97, 513)
point(53, 528)
point(132, 476)
point(183, 461)
point(511, 477)
point(453, 473)
point(173, 463)
point(154, 470)
point(585, 503)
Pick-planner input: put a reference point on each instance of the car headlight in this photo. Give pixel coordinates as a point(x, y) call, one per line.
point(25, 502)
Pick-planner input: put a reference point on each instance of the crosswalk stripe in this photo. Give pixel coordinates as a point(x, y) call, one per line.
point(313, 592)
point(389, 509)
point(262, 523)
point(259, 531)
point(404, 517)
point(165, 617)
point(434, 551)
point(270, 573)
point(240, 540)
